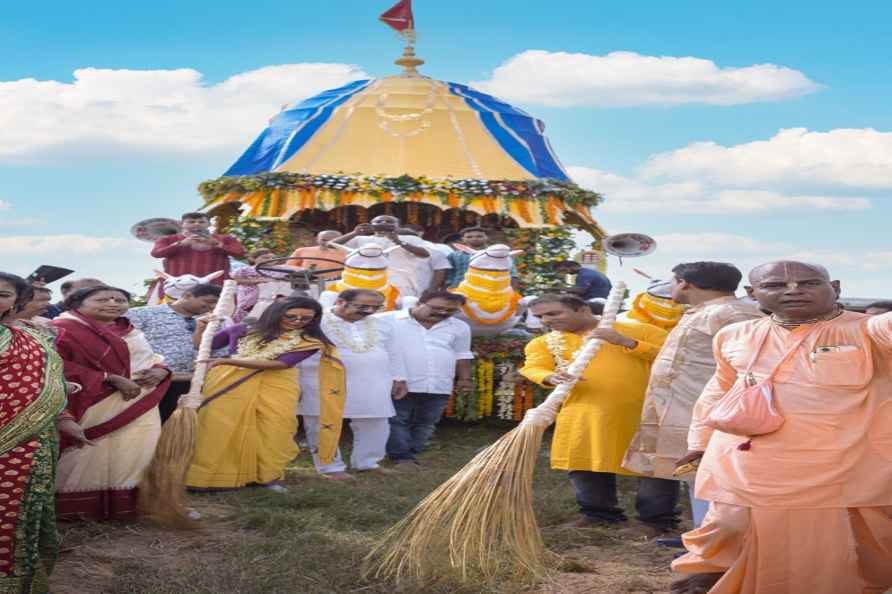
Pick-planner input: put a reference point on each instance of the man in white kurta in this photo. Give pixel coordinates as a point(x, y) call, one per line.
point(376, 374)
point(403, 260)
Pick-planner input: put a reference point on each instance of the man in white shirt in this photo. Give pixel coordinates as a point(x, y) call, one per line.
point(402, 267)
point(436, 348)
point(431, 272)
point(376, 377)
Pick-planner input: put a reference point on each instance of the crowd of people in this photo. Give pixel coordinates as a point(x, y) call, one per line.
point(86, 384)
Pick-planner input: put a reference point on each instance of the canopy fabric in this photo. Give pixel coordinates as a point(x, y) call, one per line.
point(404, 125)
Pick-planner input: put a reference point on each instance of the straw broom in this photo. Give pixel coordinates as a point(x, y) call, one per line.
point(163, 487)
point(480, 524)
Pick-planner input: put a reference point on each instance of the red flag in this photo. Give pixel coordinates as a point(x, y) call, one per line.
point(400, 16)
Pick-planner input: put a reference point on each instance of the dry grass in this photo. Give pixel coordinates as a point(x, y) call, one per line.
point(312, 540)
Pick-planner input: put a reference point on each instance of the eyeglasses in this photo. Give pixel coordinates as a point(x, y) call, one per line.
point(363, 307)
point(299, 318)
point(444, 310)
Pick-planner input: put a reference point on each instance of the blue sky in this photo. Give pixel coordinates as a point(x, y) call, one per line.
point(81, 163)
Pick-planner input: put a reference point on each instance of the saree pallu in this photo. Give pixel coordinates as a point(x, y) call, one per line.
point(99, 482)
point(246, 435)
point(32, 393)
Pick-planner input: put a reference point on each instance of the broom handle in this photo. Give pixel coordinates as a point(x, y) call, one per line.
point(224, 307)
point(546, 413)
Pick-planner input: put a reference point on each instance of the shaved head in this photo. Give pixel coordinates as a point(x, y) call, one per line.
point(784, 266)
point(794, 291)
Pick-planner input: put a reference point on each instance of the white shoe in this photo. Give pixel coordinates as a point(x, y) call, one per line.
point(276, 488)
point(193, 514)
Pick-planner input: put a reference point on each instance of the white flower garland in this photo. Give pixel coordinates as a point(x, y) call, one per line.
point(369, 326)
point(555, 342)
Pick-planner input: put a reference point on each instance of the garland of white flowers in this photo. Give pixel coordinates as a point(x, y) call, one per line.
point(555, 342)
point(368, 325)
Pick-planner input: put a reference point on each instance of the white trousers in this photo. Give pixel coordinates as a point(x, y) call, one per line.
point(369, 444)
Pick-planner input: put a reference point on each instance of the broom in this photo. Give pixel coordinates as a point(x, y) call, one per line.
point(480, 523)
point(162, 489)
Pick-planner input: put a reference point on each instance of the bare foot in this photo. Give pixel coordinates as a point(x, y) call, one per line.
point(696, 583)
point(338, 476)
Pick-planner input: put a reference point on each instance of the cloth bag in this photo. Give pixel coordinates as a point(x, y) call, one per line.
point(748, 408)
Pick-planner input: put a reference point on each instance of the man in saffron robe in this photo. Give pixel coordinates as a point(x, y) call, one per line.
point(806, 508)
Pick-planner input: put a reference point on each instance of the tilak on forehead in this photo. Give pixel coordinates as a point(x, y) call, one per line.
point(788, 271)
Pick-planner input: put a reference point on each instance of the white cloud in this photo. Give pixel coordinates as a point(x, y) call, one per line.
point(164, 111)
point(119, 261)
point(840, 158)
point(630, 195)
point(564, 79)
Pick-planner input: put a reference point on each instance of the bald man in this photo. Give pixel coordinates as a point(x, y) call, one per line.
point(806, 508)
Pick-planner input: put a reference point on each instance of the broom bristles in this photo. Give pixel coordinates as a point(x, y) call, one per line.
point(162, 490)
point(481, 520)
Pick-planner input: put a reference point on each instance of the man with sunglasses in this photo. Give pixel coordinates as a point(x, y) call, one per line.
point(808, 507)
point(436, 348)
point(367, 346)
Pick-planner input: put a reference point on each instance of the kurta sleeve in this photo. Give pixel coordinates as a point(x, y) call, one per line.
point(650, 340)
point(724, 377)
point(538, 362)
point(394, 353)
point(879, 329)
point(165, 246)
point(232, 246)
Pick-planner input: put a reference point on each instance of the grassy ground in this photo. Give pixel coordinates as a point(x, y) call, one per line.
point(312, 539)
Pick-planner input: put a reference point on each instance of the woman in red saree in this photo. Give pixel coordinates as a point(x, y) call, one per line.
point(32, 399)
point(122, 381)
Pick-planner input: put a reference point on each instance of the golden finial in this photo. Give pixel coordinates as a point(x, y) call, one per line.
point(409, 61)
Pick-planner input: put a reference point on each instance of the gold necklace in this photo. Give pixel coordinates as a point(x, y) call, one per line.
point(789, 324)
point(252, 346)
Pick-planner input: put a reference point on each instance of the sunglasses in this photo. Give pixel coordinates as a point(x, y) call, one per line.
point(365, 307)
point(291, 318)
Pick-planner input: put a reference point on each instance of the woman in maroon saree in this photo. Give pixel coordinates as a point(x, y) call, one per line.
point(122, 382)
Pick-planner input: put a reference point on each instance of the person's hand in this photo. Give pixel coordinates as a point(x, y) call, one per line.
point(211, 242)
point(189, 241)
point(465, 383)
point(613, 337)
point(70, 429)
point(394, 237)
point(128, 388)
point(150, 378)
point(560, 377)
point(689, 458)
point(364, 229)
point(214, 361)
point(206, 319)
point(399, 390)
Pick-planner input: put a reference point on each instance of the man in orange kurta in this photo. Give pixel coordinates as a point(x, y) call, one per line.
point(808, 508)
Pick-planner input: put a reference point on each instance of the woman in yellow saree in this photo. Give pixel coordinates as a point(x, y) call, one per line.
point(246, 423)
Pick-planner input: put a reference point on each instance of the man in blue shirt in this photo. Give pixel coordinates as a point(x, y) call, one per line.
point(475, 238)
point(590, 284)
